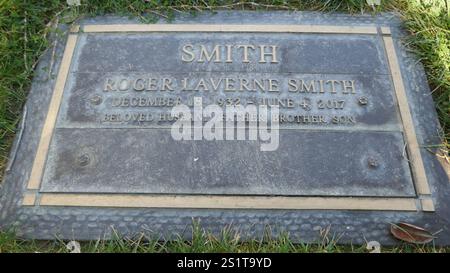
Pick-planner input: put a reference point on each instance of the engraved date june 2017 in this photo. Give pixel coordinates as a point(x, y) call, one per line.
point(330, 104)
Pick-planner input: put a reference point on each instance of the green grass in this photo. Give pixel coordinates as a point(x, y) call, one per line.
point(202, 242)
point(24, 27)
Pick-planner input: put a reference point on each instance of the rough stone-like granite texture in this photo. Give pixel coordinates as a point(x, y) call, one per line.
point(76, 127)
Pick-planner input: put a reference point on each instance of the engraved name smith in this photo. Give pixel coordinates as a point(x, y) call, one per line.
point(226, 53)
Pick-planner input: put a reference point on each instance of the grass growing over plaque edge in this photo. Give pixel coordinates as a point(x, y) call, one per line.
point(203, 241)
point(24, 30)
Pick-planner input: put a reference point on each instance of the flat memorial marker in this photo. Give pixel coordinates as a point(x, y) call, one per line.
point(355, 145)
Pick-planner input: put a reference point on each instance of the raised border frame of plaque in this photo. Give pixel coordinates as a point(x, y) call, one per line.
point(422, 202)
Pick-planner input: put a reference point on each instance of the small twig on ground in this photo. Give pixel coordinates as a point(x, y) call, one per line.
point(25, 42)
point(137, 13)
point(159, 14)
point(206, 4)
point(177, 10)
point(52, 59)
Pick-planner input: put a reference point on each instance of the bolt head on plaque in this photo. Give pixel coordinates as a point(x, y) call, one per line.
point(83, 160)
point(373, 162)
point(96, 99)
point(363, 101)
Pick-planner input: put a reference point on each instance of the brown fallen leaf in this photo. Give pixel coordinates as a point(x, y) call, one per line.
point(411, 233)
